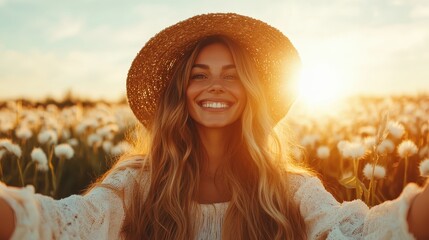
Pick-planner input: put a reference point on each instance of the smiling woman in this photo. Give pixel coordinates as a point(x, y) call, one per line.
point(215, 94)
point(209, 164)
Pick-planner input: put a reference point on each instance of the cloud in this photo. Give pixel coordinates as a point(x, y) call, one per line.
point(420, 12)
point(65, 28)
point(38, 74)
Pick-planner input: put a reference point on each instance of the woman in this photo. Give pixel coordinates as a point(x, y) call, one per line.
point(209, 91)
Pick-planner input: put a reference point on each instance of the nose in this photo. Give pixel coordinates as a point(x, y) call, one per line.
point(216, 87)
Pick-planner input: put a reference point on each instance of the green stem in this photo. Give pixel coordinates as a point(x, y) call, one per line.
point(348, 195)
point(371, 185)
point(405, 172)
point(35, 177)
point(46, 183)
point(59, 173)
point(355, 168)
point(20, 172)
point(373, 193)
point(51, 169)
point(27, 168)
point(368, 195)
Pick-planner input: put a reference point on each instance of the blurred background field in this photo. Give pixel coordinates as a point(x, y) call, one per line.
point(76, 142)
point(60, 147)
point(368, 146)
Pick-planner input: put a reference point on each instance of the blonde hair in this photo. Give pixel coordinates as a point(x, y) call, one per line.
point(261, 205)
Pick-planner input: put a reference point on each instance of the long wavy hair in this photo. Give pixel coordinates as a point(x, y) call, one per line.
point(256, 173)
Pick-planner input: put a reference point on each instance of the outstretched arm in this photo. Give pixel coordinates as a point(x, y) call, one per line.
point(418, 215)
point(328, 219)
point(7, 225)
point(95, 215)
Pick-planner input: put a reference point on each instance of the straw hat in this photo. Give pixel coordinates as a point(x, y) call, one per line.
point(273, 54)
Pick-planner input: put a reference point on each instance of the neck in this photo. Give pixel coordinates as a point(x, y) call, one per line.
point(215, 142)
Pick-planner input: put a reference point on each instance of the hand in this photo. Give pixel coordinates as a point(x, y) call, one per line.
point(7, 225)
point(418, 214)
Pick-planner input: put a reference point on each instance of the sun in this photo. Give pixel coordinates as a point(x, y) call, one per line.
point(321, 86)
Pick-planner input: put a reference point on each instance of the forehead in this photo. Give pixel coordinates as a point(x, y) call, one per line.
point(215, 53)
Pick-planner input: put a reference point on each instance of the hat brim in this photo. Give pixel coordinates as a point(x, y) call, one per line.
point(275, 58)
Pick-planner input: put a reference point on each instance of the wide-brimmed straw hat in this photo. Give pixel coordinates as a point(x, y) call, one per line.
point(273, 54)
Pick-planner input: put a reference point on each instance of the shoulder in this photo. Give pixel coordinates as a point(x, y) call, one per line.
point(126, 172)
point(301, 180)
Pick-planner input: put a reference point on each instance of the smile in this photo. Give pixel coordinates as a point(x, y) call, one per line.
point(216, 105)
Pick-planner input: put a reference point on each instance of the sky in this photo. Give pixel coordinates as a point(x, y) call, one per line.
point(347, 46)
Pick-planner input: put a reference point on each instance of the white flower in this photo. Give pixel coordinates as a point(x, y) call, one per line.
point(424, 167)
point(107, 146)
point(309, 140)
point(354, 150)
point(64, 150)
point(93, 139)
point(23, 133)
point(48, 136)
point(120, 148)
point(73, 141)
point(107, 130)
point(407, 148)
point(52, 123)
point(65, 134)
point(369, 142)
point(386, 146)
point(395, 129)
point(369, 169)
point(80, 128)
point(409, 108)
point(39, 156)
point(16, 150)
point(341, 145)
point(6, 126)
point(323, 152)
point(88, 123)
point(31, 119)
point(10, 147)
point(5, 143)
point(42, 167)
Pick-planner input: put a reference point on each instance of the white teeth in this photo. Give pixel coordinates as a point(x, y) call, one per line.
point(214, 105)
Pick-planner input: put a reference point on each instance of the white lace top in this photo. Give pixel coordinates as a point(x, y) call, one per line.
point(99, 214)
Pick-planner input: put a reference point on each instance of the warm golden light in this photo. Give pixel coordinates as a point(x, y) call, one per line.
point(321, 86)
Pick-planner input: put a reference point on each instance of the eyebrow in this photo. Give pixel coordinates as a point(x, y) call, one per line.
point(204, 66)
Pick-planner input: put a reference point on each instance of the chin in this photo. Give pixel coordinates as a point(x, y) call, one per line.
point(219, 125)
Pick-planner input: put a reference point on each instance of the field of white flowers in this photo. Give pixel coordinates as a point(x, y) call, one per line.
point(60, 150)
point(368, 149)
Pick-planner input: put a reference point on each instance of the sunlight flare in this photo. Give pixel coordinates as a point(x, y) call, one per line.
point(321, 86)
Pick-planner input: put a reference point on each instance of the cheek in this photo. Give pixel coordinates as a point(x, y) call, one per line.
point(189, 93)
point(240, 93)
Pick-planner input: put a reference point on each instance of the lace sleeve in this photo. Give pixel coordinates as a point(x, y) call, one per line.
point(328, 219)
point(96, 215)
